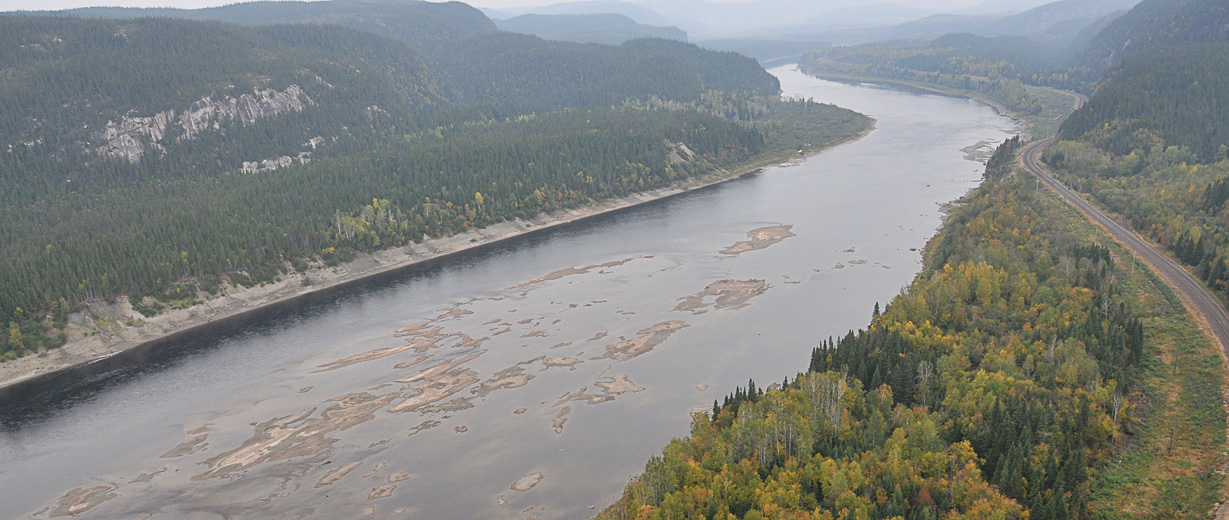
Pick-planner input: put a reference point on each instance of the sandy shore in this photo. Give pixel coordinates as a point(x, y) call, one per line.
point(103, 330)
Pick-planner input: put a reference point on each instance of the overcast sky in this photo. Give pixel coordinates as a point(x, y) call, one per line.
point(13, 5)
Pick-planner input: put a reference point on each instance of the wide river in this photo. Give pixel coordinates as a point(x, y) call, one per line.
point(530, 379)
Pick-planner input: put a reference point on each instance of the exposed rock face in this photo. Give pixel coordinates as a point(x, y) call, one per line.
point(680, 153)
point(275, 163)
point(375, 112)
point(124, 138)
point(128, 137)
point(207, 113)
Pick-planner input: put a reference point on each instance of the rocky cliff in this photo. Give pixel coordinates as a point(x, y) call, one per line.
point(129, 137)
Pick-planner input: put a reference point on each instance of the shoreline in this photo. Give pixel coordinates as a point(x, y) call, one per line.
point(1029, 123)
point(99, 331)
point(926, 89)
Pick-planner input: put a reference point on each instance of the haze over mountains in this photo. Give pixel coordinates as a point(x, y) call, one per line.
point(836, 22)
point(610, 29)
point(779, 30)
point(773, 19)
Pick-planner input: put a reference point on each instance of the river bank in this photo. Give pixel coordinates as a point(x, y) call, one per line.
point(1038, 126)
point(104, 329)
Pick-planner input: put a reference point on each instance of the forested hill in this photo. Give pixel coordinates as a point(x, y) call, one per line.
point(1152, 144)
point(997, 67)
point(1151, 24)
point(101, 102)
point(530, 72)
point(424, 25)
point(1057, 22)
point(1031, 49)
point(1168, 64)
point(1166, 96)
point(1077, 61)
point(471, 57)
point(164, 160)
point(610, 29)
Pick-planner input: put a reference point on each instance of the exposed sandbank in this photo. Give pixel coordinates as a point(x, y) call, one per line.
point(760, 239)
point(728, 294)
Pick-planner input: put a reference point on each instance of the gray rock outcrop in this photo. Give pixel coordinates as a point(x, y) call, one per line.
point(275, 163)
point(129, 137)
point(124, 139)
point(208, 114)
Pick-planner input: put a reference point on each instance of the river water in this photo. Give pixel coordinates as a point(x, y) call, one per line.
point(564, 359)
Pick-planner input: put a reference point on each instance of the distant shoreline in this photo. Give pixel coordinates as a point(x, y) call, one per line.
point(1029, 123)
point(237, 302)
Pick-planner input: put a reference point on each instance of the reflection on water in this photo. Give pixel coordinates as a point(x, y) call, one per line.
point(528, 379)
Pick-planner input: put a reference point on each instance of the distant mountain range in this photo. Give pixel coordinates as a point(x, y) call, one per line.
point(421, 24)
point(875, 15)
point(464, 47)
point(1055, 21)
point(767, 19)
point(641, 14)
point(609, 29)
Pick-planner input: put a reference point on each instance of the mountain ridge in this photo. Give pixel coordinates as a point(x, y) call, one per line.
point(608, 29)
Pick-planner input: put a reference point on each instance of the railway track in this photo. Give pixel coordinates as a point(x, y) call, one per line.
point(1208, 307)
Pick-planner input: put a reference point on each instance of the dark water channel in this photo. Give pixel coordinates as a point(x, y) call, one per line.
point(443, 388)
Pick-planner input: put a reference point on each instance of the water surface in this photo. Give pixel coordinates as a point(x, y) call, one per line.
point(572, 354)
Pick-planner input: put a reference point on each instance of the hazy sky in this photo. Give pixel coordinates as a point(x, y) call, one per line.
point(13, 5)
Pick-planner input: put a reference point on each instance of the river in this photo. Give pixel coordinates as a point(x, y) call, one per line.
point(555, 364)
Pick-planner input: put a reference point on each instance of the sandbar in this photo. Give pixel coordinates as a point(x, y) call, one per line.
point(611, 386)
point(333, 476)
point(187, 447)
point(728, 294)
point(558, 422)
point(570, 271)
point(647, 339)
point(760, 239)
point(511, 377)
point(568, 362)
point(618, 385)
point(146, 477)
point(437, 383)
point(362, 357)
point(384, 491)
point(80, 500)
point(297, 435)
point(527, 482)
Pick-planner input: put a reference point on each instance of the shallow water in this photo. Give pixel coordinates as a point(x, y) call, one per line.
point(606, 359)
